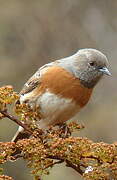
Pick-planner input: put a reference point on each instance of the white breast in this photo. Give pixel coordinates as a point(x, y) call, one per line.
point(55, 109)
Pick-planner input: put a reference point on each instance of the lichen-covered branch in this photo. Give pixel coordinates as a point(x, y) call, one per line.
point(43, 150)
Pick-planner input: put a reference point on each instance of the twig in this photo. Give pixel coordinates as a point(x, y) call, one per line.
point(92, 157)
point(56, 162)
point(13, 118)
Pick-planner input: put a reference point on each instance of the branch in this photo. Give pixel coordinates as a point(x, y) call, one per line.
point(68, 163)
point(75, 167)
point(14, 119)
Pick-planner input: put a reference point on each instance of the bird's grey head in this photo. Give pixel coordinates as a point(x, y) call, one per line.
point(90, 66)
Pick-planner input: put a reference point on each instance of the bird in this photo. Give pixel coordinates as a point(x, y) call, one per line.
point(60, 89)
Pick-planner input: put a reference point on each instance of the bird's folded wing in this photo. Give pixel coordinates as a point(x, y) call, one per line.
point(35, 80)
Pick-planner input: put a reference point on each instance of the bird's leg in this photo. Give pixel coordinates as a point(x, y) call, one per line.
point(65, 130)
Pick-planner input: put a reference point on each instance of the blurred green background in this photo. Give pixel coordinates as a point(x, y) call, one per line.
point(33, 33)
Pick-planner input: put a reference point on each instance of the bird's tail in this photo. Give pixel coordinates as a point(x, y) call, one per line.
point(20, 134)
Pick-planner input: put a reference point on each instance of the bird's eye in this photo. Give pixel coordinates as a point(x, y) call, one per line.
point(92, 63)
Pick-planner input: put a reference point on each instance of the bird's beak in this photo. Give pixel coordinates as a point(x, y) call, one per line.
point(105, 71)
